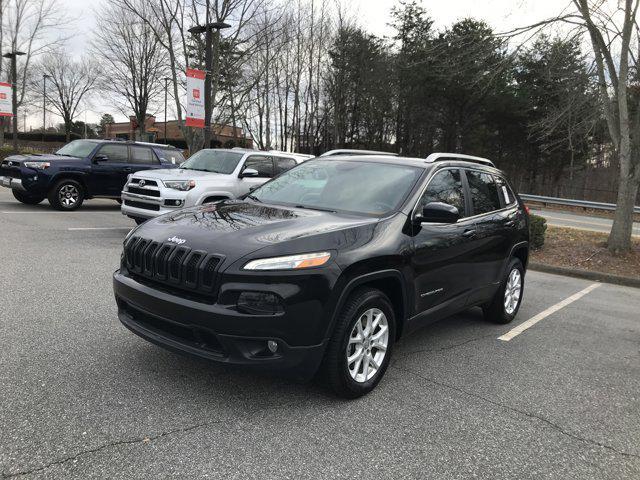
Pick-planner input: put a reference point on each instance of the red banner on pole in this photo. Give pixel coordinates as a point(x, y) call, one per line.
point(195, 98)
point(6, 108)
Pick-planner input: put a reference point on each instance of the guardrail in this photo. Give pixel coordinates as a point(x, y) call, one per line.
point(571, 202)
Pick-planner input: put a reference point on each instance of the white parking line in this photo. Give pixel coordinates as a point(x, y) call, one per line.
point(514, 332)
point(76, 229)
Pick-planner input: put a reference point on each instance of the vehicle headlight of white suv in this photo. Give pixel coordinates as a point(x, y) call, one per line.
point(182, 185)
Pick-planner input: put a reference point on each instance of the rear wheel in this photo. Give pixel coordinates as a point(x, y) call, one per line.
point(26, 198)
point(506, 303)
point(359, 350)
point(66, 195)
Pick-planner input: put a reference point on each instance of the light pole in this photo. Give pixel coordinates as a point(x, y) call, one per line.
point(166, 87)
point(207, 28)
point(44, 104)
point(14, 100)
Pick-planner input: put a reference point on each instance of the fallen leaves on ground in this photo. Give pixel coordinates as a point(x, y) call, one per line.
point(584, 250)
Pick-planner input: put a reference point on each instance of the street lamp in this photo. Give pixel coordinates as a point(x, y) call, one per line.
point(44, 104)
point(14, 81)
point(166, 87)
point(207, 28)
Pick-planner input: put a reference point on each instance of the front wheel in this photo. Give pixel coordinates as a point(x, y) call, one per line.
point(66, 195)
point(26, 198)
point(506, 303)
point(359, 350)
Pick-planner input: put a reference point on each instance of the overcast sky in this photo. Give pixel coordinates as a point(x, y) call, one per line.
point(502, 15)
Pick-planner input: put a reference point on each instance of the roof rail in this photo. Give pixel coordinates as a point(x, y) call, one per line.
point(436, 157)
point(353, 152)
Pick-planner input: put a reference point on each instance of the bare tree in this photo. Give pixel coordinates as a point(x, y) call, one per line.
point(133, 60)
point(614, 34)
point(33, 27)
point(71, 80)
point(611, 31)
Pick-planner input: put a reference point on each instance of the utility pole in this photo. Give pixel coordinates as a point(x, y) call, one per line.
point(44, 104)
point(14, 100)
point(207, 29)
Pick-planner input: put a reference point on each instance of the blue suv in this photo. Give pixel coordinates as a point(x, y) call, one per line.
point(81, 170)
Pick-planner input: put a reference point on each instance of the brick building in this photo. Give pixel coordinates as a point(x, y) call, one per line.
point(222, 135)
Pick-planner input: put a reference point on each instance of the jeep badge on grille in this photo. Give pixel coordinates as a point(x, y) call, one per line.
point(177, 240)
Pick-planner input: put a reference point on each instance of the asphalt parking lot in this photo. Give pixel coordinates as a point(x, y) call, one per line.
point(82, 397)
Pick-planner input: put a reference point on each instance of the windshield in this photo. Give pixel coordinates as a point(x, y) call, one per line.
point(77, 148)
point(362, 187)
point(216, 161)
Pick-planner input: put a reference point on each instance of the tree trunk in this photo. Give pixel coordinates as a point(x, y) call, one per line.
point(620, 236)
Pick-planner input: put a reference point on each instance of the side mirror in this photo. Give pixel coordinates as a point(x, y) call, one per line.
point(249, 172)
point(100, 158)
point(438, 212)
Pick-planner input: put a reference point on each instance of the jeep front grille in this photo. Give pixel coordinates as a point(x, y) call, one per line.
point(172, 265)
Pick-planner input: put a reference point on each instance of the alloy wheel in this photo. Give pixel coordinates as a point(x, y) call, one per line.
point(68, 195)
point(512, 291)
point(368, 343)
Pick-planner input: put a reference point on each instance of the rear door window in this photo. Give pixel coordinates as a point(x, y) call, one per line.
point(143, 155)
point(283, 164)
point(115, 153)
point(264, 165)
point(484, 192)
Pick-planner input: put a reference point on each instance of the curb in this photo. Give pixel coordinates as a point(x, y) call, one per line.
point(586, 274)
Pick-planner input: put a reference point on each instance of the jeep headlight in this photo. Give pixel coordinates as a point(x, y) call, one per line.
point(182, 185)
point(37, 165)
point(290, 262)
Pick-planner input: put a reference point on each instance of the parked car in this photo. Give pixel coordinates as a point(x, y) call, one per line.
point(81, 170)
point(326, 266)
point(354, 152)
point(208, 176)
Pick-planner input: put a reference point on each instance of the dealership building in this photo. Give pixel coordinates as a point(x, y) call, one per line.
point(221, 135)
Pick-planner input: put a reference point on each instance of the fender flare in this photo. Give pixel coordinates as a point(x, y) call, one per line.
point(364, 279)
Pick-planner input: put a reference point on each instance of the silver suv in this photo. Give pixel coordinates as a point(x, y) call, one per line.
point(208, 176)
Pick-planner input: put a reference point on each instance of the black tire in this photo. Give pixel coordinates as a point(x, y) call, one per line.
point(139, 220)
point(496, 311)
point(335, 370)
point(26, 198)
point(66, 195)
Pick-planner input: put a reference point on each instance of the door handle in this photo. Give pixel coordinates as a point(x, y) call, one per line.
point(510, 223)
point(469, 233)
point(128, 169)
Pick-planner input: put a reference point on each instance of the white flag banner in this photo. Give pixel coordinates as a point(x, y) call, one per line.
point(6, 109)
point(195, 98)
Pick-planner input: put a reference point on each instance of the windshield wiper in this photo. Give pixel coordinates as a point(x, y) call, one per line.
point(254, 198)
point(320, 209)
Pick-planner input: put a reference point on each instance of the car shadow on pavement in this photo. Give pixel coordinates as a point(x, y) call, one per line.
point(103, 206)
point(230, 385)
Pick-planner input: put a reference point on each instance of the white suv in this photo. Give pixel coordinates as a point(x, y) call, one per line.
point(208, 176)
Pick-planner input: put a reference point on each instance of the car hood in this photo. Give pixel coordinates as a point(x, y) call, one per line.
point(177, 174)
point(237, 228)
point(42, 157)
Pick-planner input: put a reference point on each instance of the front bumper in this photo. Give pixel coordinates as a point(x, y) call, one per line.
point(134, 205)
point(13, 183)
point(211, 331)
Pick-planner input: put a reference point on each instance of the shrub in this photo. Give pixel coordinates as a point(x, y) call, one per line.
point(537, 230)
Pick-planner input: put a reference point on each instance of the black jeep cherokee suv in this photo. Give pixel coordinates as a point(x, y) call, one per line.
point(327, 265)
point(81, 170)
